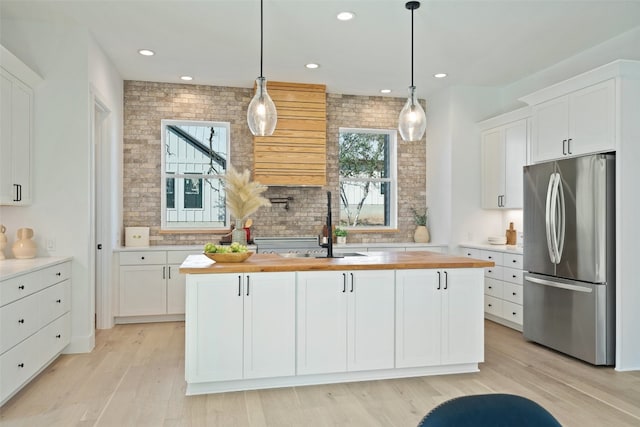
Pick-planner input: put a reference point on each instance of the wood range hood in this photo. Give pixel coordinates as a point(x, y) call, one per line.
point(296, 153)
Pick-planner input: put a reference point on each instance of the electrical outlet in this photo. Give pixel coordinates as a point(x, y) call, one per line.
point(51, 244)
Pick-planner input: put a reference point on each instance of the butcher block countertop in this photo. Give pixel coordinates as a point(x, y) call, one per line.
point(196, 264)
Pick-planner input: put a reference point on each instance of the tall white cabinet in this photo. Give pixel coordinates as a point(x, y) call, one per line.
point(17, 84)
point(504, 147)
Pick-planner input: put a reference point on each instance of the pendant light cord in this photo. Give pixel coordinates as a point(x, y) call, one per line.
point(411, 46)
point(261, 35)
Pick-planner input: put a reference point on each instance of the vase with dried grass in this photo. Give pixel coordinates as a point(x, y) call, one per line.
point(243, 198)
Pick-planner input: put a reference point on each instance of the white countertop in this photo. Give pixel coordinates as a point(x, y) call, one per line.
point(14, 267)
point(497, 248)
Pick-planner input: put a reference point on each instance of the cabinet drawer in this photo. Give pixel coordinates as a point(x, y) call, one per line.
point(512, 312)
point(512, 275)
point(493, 305)
point(55, 301)
point(54, 337)
point(177, 257)
point(493, 287)
point(18, 365)
point(512, 292)
point(496, 257)
point(493, 272)
point(18, 287)
point(17, 321)
point(143, 257)
point(54, 274)
point(512, 261)
point(472, 253)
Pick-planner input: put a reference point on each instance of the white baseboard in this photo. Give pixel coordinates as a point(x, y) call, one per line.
point(81, 344)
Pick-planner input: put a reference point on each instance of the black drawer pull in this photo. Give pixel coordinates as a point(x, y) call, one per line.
point(514, 260)
point(490, 305)
point(489, 271)
point(21, 321)
point(58, 301)
point(21, 287)
point(20, 365)
point(141, 257)
point(490, 287)
point(514, 276)
point(490, 257)
point(58, 336)
point(514, 313)
point(58, 274)
point(514, 293)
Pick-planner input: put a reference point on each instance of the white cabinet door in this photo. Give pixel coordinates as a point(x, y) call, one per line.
point(269, 325)
point(15, 141)
point(176, 284)
point(321, 322)
point(370, 321)
point(143, 290)
point(592, 119)
point(493, 160)
point(550, 129)
point(439, 317)
point(463, 316)
point(515, 157)
point(214, 331)
point(418, 318)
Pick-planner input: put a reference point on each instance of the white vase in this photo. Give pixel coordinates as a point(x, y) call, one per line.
point(341, 240)
point(24, 247)
point(3, 241)
point(421, 235)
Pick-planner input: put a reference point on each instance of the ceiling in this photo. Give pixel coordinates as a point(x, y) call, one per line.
point(217, 42)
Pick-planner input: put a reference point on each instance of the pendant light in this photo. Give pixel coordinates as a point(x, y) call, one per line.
point(261, 114)
point(412, 122)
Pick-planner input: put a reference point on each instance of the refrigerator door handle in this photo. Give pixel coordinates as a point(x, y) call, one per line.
point(557, 284)
point(547, 218)
point(561, 217)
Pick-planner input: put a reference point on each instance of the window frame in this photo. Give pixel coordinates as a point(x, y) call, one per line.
point(392, 160)
point(164, 175)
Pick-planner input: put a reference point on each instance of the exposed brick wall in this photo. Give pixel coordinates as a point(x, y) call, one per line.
point(147, 103)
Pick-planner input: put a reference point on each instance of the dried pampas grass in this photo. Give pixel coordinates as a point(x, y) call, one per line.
point(243, 196)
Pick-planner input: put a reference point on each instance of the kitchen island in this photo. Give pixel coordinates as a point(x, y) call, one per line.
point(273, 321)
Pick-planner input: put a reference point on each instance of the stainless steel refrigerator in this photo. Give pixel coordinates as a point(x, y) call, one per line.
point(569, 256)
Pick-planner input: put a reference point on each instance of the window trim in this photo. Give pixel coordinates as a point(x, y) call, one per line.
point(392, 179)
point(163, 175)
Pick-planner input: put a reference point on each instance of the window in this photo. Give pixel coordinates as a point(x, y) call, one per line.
point(194, 159)
point(367, 163)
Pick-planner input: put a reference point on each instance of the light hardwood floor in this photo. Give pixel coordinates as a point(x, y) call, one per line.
point(135, 377)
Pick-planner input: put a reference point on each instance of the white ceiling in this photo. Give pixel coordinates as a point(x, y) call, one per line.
point(217, 41)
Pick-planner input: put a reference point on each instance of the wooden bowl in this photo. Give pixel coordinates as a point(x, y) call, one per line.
point(229, 257)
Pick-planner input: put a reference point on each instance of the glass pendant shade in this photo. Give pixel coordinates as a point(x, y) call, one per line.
point(261, 114)
point(412, 122)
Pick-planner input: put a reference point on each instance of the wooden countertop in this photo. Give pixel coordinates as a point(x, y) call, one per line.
point(372, 261)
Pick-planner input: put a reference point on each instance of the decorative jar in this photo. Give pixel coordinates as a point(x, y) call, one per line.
point(24, 247)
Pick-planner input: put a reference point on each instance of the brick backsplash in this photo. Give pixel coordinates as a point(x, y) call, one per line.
point(147, 103)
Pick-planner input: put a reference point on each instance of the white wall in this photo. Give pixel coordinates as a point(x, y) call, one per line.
point(58, 50)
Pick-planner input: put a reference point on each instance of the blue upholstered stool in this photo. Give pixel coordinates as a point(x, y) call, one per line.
point(495, 410)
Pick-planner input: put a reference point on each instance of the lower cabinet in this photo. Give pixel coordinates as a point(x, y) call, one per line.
point(34, 323)
point(345, 321)
point(439, 317)
point(240, 326)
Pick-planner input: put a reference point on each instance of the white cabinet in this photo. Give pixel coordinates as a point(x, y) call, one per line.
point(502, 286)
point(34, 323)
point(16, 140)
point(438, 317)
point(151, 284)
point(345, 321)
point(240, 326)
point(582, 122)
point(503, 156)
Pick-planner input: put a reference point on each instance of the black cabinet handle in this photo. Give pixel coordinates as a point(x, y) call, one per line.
point(20, 365)
point(569, 145)
point(164, 271)
point(564, 147)
point(351, 281)
point(514, 313)
point(141, 257)
point(489, 271)
point(58, 336)
point(21, 321)
point(439, 280)
point(514, 294)
point(21, 287)
point(248, 285)
point(344, 282)
point(239, 286)
point(514, 276)
point(18, 197)
point(490, 305)
point(514, 261)
point(169, 272)
point(446, 280)
point(490, 287)
point(468, 254)
point(58, 274)
point(58, 301)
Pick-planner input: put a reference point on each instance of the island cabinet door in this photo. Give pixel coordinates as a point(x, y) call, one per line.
point(322, 322)
point(370, 320)
point(214, 323)
point(418, 318)
point(269, 325)
point(463, 317)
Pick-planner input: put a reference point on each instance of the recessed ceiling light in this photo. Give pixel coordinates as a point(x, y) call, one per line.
point(440, 75)
point(312, 66)
point(385, 90)
point(346, 16)
point(146, 52)
point(186, 78)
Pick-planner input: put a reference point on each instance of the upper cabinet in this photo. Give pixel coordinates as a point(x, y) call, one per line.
point(16, 129)
point(579, 123)
point(504, 148)
point(296, 153)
